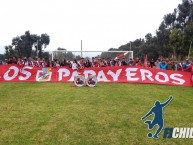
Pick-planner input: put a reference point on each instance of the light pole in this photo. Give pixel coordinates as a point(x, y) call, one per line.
point(37, 49)
point(130, 45)
point(81, 48)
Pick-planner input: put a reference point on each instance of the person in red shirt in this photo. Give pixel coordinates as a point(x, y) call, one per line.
point(14, 60)
point(31, 62)
point(97, 64)
point(93, 62)
point(43, 63)
point(38, 63)
point(82, 63)
point(108, 62)
point(103, 62)
point(10, 60)
point(138, 62)
point(189, 68)
point(20, 61)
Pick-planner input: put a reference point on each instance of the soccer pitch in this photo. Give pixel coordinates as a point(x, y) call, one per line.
point(108, 114)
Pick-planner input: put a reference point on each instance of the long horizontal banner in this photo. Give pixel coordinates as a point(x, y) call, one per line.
point(16, 73)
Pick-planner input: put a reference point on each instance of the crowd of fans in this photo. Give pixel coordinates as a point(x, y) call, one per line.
point(164, 64)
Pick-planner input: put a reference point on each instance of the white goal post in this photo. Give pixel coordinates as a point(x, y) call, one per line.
point(65, 51)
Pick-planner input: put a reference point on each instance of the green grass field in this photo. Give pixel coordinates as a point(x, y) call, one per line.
point(108, 114)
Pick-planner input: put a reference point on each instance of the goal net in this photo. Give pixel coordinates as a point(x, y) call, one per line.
point(71, 55)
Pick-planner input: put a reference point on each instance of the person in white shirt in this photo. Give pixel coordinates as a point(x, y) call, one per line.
point(74, 65)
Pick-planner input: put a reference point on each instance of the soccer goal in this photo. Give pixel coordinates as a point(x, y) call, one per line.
point(70, 55)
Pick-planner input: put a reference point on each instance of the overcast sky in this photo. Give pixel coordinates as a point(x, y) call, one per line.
point(100, 24)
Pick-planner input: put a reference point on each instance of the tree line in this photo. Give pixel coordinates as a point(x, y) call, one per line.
point(28, 45)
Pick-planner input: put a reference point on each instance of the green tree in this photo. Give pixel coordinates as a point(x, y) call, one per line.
point(163, 40)
point(176, 40)
point(43, 41)
point(27, 44)
point(17, 43)
point(188, 37)
point(9, 51)
point(148, 38)
point(184, 10)
point(23, 44)
point(170, 19)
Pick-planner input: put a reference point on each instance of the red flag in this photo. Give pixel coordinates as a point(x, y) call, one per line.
point(145, 60)
point(121, 55)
